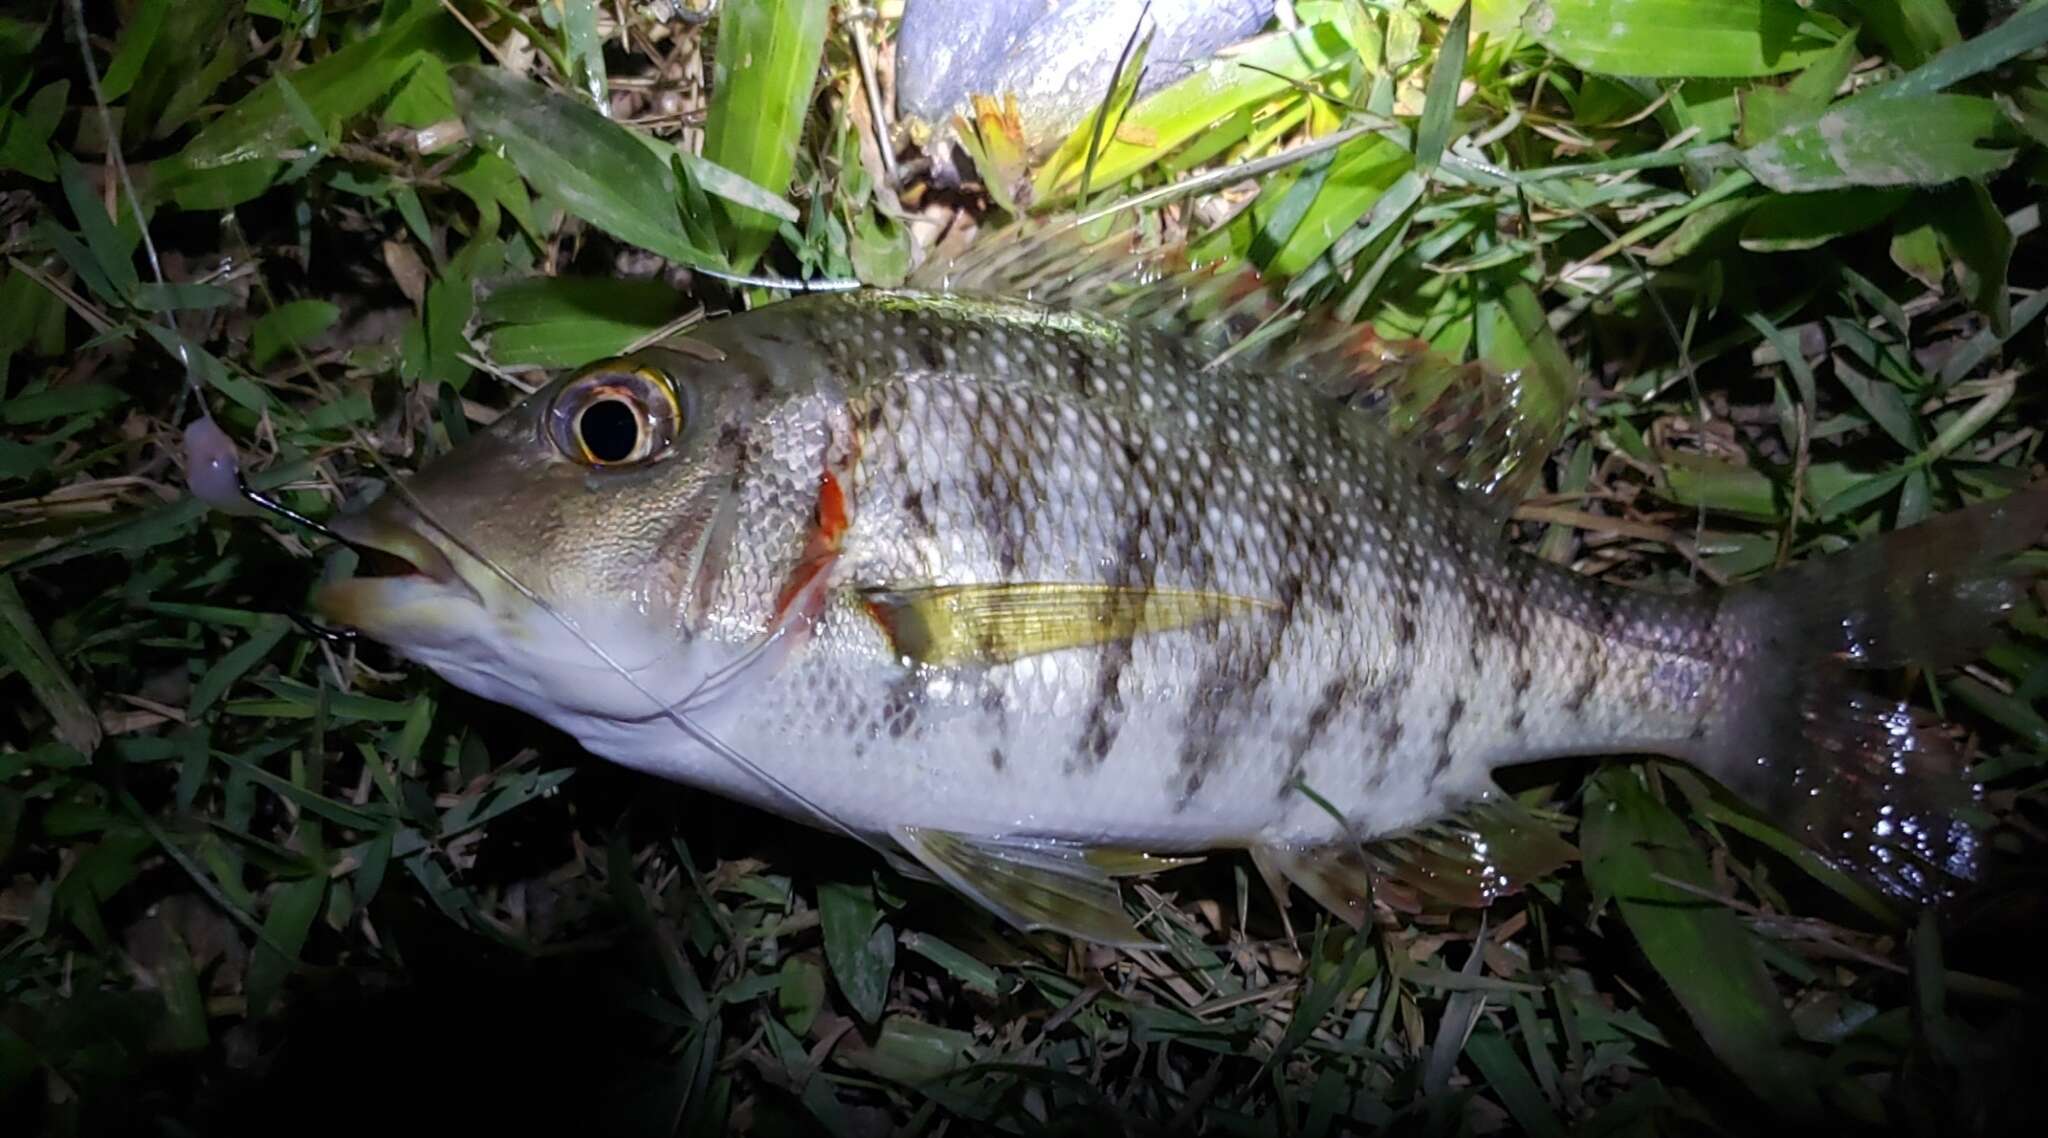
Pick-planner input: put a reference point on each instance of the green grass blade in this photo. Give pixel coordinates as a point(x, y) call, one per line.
point(137, 37)
point(1511, 1082)
point(860, 946)
point(23, 649)
point(768, 55)
point(292, 909)
point(263, 125)
point(1440, 100)
point(2024, 32)
point(590, 164)
point(1911, 30)
point(1252, 74)
point(1922, 140)
point(585, 49)
point(1975, 230)
point(1634, 845)
point(1699, 39)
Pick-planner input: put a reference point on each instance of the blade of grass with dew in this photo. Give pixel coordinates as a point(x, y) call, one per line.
point(766, 67)
point(581, 45)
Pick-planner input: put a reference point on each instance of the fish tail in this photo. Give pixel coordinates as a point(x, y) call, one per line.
point(1870, 785)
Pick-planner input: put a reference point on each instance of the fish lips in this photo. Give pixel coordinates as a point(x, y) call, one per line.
point(407, 589)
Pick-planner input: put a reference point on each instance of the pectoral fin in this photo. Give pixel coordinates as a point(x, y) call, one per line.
point(954, 625)
point(1032, 884)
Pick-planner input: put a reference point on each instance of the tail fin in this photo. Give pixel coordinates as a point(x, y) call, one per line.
point(1867, 783)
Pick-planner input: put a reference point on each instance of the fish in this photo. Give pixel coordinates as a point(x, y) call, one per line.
point(1070, 560)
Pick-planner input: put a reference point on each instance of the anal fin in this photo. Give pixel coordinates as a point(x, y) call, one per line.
point(1466, 861)
point(1034, 883)
point(1472, 858)
point(1337, 877)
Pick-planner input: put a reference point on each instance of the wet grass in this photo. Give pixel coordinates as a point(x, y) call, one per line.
point(251, 880)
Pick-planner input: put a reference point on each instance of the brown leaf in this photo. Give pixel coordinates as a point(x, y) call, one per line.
point(408, 270)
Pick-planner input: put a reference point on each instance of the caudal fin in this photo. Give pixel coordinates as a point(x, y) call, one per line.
point(1869, 783)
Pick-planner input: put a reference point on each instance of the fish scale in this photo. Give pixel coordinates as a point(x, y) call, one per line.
point(1023, 586)
point(998, 442)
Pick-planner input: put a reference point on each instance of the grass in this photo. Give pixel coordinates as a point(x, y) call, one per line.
point(250, 880)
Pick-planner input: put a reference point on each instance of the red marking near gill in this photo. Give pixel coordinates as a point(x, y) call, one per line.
point(799, 598)
point(802, 600)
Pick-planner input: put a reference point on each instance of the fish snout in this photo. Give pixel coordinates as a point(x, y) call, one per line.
point(406, 579)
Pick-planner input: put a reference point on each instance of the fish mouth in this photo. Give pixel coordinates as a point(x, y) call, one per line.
point(402, 583)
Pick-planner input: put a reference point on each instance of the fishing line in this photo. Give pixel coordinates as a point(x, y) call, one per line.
point(702, 735)
point(211, 461)
point(76, 10)
point(212, 469)
point(677, 712)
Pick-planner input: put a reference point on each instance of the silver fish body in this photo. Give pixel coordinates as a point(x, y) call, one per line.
point(882, 579)
point(1396, 651)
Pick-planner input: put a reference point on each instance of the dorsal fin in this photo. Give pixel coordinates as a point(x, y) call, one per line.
point(1487, 425)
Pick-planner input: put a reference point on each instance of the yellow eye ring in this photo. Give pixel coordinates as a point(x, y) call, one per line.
point(615, 413)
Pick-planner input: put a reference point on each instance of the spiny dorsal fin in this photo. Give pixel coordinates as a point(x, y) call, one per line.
point(1031, 883)
point(964, 625)
point(1487, 425)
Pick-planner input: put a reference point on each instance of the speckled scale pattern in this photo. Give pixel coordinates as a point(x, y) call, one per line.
point(1406, 650)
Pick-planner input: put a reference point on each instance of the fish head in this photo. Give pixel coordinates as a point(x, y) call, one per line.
point(570, 545)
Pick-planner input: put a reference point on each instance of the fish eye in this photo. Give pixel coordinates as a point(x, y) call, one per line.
point(616, 414)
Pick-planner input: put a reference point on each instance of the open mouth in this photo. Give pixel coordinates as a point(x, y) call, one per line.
point(402, 583)
point(387, 550)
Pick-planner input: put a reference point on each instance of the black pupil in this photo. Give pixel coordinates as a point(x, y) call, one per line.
point(610, 430)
